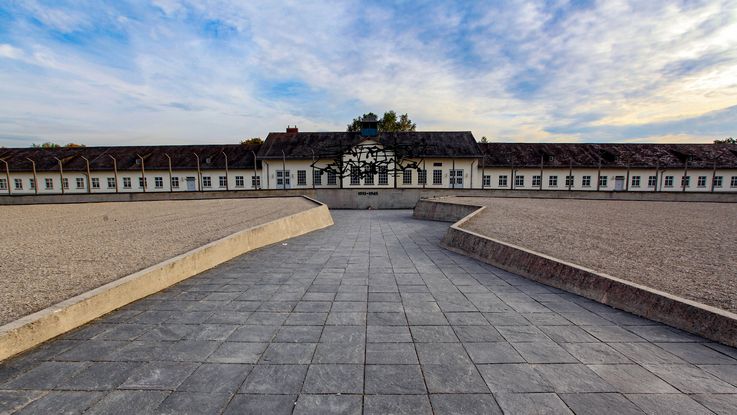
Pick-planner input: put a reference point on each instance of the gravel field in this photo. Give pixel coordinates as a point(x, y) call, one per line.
point(683, 248)
point(52, 252)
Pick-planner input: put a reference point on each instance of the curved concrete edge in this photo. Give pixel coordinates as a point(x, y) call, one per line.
point(693, 317)
point(36, 328)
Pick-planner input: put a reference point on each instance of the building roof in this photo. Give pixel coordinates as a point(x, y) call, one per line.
point(609, 155)
point(301, 145)
point(240, 156)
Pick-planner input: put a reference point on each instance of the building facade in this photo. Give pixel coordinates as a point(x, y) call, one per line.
point(370, 159)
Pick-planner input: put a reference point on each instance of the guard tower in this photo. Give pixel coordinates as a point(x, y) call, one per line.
point(370, 126)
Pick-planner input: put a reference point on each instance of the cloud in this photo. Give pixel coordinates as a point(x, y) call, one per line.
point(218, 70)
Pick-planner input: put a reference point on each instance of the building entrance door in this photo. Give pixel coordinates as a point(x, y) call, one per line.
point(456, 179)
point(618, 183)
point(191, 184)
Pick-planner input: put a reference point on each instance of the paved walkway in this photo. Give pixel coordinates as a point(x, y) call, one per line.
point(370, 315)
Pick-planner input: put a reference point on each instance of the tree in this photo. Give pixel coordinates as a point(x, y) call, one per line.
point(388, 123)
point(74, 145)
point(484, 140)
point(47, 144)
point(729, 140)
point(254, 140)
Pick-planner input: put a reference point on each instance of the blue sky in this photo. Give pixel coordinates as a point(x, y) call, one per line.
point(177, 71)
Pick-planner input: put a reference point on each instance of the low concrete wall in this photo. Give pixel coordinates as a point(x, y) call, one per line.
point(697, 318)
point(43, 325)
point(442, 211)
point(365, 198)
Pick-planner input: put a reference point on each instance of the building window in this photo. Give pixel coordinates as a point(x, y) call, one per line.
point(206, 181)
point(159, 182)
point(503, 181)
point(569, 181)
point(111, 182)
point(487, 181)
point(65, 183)
point(32, 184)
point(652, 181)
point(685, 181)
point(718, 181)
point(407, 176)
point(283, 178)
point(223, 181)
point(95, 182)
point(126, 182)
point(603, 181)
point(422, 176)
point(143, 182)
point(733, 181)
point(317, 177)
point(49, 184)
point(369, 177)
point(3, 184)
point(255, 182)
point(437, 177)
point(355, 175)
point(635, 181)
point(332, 178)
point(18, 184)
point(668, 181)
point(302, 177)
point(80, 183)
point(175, 182)
point(701, 181)
point(239, 182)
point(536, 181)
point(553, 181)
point(586, 181)
point(383, 176)
point(519, 181)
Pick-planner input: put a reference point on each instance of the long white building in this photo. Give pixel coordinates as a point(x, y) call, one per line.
point(370, 159)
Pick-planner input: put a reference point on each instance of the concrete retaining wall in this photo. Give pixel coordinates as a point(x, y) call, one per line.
point(43, 325)
point(377, 198)
point(442, 211)
point(709, 322)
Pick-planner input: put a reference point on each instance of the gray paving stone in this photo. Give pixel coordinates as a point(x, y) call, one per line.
point(468, 334)
point(100, 376)
point(286, 353)
point(611, 334)
point(216, 378)
point(518, 334)
point(453, 378)
point(334, 378)
point(396, 404)
point(275, 379)
point(193, 403)
point(253, 333)
point(727, 373)
point(514, 378)
point(507, 318)
point(532, 403)
point(237, 352)
point(191, 350)
point(344, 334)
point(348, 306)
point(47, 375)
point(442, 353)
point(595, 353)
point(218, 332)
point(544, 352)
point(468, 318)
point(386, 319)
point(433, 334)
point(632, 379)
point(128, 402)
point(719, 403)
point(261, 404)
point(394, 380)
point(495, 352)
point(92, 350)
point(691, 379)
point(573, 378)
point(697, 353)
point(660, 333)
point(646, 353)
point(426, 318)
point(346, 319)
point(464, 404)
point(388, 334)
point(11, 401)
point(599, 403)
point(667, 404)
point(298, 334)
point(328, 405)
point(391, 353)
point(159, 376)
point(568, 334)
point(340, 353)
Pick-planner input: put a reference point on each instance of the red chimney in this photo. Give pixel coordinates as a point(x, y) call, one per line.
point(291, 129)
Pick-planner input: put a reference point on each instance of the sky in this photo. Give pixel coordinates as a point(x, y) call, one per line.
point(219, 71)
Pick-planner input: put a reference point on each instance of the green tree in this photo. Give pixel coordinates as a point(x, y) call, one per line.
point(254, 140)
point(389, 122)
point(74, 145)
point(47, 144)
point(729, 140)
